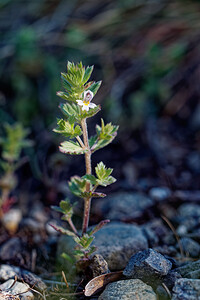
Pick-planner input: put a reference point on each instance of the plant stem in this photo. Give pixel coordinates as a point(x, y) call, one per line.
point(87, 201)
point(71, 224)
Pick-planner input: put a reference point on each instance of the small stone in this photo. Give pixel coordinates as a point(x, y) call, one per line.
point(151, 236)
point(32, 225)
point(33, 280)
point(18, 288)
point(160, 193)
point(98, 265)
point(189, 210)
point(117, 242)
point(11, 219)
point(128, 290)
point(166, 250)
point(8, 272)
point(146, 264)
point(190, 247)
point(124, 206)
point(170, 279)
point(187, 269)
point(181, 230)
point(186, 289)
point(7, 296)
point(11, 249)
point(162, 293)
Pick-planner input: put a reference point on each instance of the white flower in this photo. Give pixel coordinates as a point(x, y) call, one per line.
point(85, 103)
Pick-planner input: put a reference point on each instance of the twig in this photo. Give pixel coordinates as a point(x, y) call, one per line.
point(65, 280)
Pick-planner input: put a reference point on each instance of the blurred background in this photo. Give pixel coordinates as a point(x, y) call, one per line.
point(147, 55)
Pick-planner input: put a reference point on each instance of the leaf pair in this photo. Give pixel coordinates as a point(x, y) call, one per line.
point(77, 186)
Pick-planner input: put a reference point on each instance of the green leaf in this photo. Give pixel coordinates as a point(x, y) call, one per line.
point(68, 258)
point(87, 74)
point(90, 113)
point(71, 147)
point(77, 185)
point(105, 135)
point(92, 195)
point(57, 208)
point(95, 86)
point(103, 175)
point(84, 241)
point(63, 230)
point(65, 82)
point(67, 129)
point(90, 178)
point(70, 111)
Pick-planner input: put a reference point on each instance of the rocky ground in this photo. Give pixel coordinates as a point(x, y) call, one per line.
point(158, 257)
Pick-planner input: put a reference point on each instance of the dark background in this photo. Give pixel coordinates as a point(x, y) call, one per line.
point(147, 55)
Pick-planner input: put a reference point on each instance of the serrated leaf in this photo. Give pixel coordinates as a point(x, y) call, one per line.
point(65, 206)
point(77, 185)
point(65, 82)
point(67, 129)
point(101, 171)
point(98, 227)
point(70, 147)
point(71, 111)
point(95, 86)
point(103, 175)
point(63, 230)
point(57, 208)
point(90, 178)
point(92, 195)
point(105, 135)
point(87, 74)
point(92, 140)
point(90, 113)
point(84, 241)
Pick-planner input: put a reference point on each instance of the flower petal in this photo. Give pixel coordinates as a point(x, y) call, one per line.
point(88, 95)
point(92, 105)
point(80, 102)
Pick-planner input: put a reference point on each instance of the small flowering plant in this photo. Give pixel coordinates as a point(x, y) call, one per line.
point(79, 93)
point(11, 146)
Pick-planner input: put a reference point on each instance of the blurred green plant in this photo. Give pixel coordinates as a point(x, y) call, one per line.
point(11, 147)
point(78, 108)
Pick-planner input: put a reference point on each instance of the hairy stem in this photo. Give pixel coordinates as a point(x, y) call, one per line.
point(87, 201)
point(71, 224)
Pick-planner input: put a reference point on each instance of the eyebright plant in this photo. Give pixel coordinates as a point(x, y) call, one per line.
point(79, 106)
point(11, 147)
